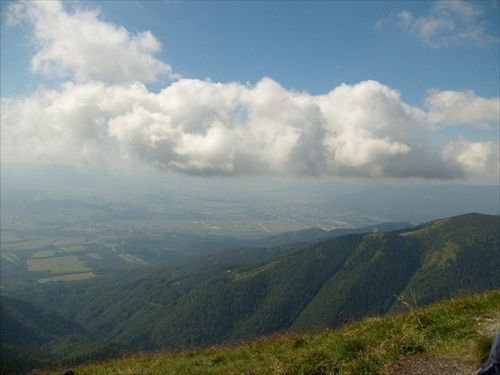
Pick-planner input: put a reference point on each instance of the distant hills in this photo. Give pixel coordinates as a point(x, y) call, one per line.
point(314, 234)
point(226, 297)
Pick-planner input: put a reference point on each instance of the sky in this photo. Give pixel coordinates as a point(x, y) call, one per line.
point(337, 89)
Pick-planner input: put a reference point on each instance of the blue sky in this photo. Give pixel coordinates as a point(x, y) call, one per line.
point(372, 89)
point(311, 46)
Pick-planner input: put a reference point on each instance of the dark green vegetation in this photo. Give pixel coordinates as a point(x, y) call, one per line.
point(33, 337)
point(461, 329)
point(225, 297)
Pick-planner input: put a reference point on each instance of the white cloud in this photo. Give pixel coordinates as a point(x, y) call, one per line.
point(453, 107)
point(195, 126)
point(206, 127)
point(80, 45)
point(476, 158)
point(202, 127)
point(55, 125)
point(449, 23)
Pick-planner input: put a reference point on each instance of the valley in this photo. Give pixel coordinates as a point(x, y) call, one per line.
point(322, 279)
point(63, 223)
point(146, 266)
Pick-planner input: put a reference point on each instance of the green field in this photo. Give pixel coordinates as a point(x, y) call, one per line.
point(94, 256)
point(45, 254)
point(9, 257)
point(72, 248)
point(72, 277)
point(63, 264)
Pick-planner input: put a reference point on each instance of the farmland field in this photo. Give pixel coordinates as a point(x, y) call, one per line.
point(45, 254)
point(71, 277)
point(63, 264)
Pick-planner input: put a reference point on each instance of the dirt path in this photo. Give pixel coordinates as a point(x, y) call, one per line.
point(425, 364)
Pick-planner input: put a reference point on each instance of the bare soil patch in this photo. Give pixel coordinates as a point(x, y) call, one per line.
point(425, 364)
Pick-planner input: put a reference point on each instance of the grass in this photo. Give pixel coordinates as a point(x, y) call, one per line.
point(62, 264)
point(29, 244)
point(94, 256)
point(427, 228)
point(72, 248)
point(45, 254)
point(58, 250)
point(9, 257)
point(451, 328)
point(72, 277)
point(9, 237)
point(244, 275)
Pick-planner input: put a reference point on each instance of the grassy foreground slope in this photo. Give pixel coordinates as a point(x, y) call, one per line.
point(457, 328)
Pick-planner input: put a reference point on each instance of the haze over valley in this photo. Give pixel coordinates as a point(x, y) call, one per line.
point(62, 223)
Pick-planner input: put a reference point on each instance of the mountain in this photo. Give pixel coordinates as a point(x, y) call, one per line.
point(34, 337)
point(325, 283)
point(269, 248)
point(450, 337)
point(432, 261)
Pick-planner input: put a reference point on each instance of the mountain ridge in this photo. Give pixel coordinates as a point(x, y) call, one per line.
point(325, 283)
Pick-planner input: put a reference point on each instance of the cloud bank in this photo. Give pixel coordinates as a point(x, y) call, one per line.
point(202, 127)
point(209, 128)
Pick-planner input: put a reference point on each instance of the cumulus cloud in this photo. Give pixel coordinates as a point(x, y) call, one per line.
point(55, 125)
point(105, 112)
point(449, 23)
point(81, 45)
point(452, 107)
point(476, 158)
point(202, 127)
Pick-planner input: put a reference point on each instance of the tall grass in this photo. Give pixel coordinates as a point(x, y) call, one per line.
point(453, 328)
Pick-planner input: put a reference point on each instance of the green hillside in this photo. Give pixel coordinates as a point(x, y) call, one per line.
point(325, 284)
point(33, 337)
point(460, 330)
point(459, 252)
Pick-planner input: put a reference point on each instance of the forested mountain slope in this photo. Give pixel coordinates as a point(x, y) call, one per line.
point(324, 284)
point(459, 252)
point(34, 337)
point(449, 337)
